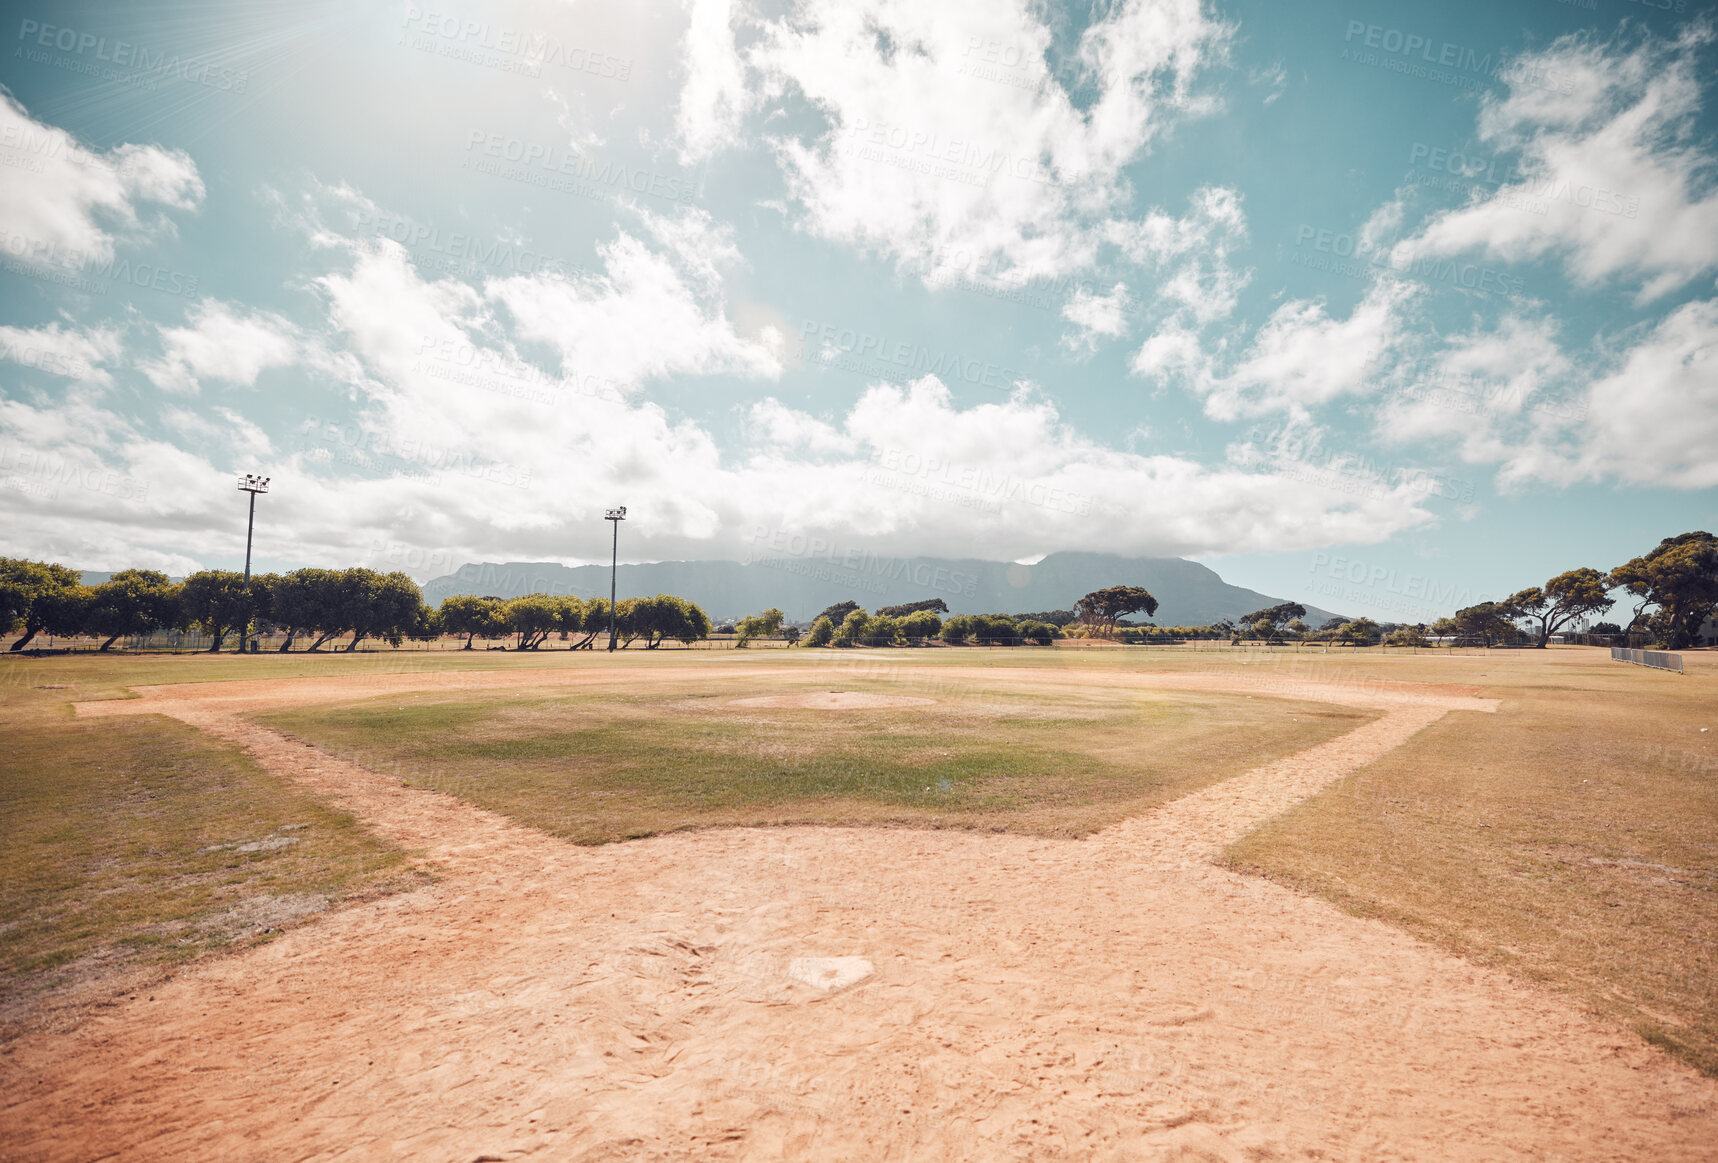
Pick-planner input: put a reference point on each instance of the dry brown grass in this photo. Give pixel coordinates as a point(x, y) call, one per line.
point(1572, 838)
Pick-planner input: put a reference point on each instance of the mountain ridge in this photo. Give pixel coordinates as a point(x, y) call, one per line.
point(1188, 593)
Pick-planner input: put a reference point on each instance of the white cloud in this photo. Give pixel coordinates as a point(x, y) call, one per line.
point(1191, 253)
point(72, 352)
point(1654, 419)
point(1610, 180)
point(713, 98)
point(222, 344)
point(1095, 317)
point(64, 204)
point(1303, 357)
point(953, 148)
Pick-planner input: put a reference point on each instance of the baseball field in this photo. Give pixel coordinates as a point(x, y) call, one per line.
point(1052, 903)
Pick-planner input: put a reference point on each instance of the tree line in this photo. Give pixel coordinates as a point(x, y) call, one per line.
point(314, 605)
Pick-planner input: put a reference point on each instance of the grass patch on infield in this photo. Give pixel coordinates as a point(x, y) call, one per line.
point(605, 765)
point(1572, 839)
point(131, 845)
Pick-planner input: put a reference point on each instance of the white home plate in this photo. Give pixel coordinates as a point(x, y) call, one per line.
point(829, 973)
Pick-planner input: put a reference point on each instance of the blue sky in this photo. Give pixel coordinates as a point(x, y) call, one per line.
point(1387, 307)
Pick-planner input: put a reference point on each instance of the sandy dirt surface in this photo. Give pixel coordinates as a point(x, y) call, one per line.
point(806, 993)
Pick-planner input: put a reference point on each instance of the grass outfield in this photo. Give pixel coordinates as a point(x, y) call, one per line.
point(135, 844)
point(637, 760)
point(1572, 838)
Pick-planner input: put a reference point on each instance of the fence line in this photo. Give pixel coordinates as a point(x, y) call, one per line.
point(1658, 659)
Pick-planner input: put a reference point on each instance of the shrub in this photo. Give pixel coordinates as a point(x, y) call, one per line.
point(820, 633)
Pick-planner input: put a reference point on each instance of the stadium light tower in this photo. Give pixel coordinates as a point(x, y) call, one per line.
point(252, 485)
point(617, 516)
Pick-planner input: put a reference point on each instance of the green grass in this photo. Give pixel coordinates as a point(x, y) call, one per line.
point(131, 845)
point(597, 767)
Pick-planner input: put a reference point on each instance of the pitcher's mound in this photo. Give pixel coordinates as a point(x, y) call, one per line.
point(833, 701)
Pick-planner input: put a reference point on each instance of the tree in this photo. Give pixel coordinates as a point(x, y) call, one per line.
point(852, 628)
point(666, 616)
point(1040, 632)
point(1561, 600)
point(23, 585)
point(218, 601)
point(64, 610)
point(532, 617)
point(1273, 617)
point(132, 601)
point(309, 601)
point(821, 632)
point(1678, 581)
point(996, 629)
point(758, 626)
point(837, 613)
point(470, 615)
point(957, 629)
point(1361, 631)
point(935, 605)
point(919, 625)
point(882, 630)
point(1406, 636)
point(1100, 609)
point(1485, 624)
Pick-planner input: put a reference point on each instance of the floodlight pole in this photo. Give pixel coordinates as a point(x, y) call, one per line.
point(616, 515)
point(252, 485)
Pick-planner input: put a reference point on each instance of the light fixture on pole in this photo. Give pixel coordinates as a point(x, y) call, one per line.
point(248, 483)
point(617, 516)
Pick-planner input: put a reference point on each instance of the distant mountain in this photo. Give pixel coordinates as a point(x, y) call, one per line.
point(1189, 594)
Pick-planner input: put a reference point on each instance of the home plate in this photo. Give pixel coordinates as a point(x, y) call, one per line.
point(830, 973)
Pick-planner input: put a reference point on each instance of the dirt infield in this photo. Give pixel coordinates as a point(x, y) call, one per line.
point(841, 993)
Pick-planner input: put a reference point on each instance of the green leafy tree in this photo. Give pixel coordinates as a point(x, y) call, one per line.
point(470, 615)
point(1561, 600)
point(882, 630)
point(837, 613)
point(666, 616)
point(531, 617)
point(1360, 632)
point(23, 586)
point(919, 625)
point(934, 605)
point(852, 628)
point(309, 601)
point(957, 629)
point(596, 623)
point(1041, 633)
point(1101, 609)
point(995, 629)
point(65, 610)
point(821, 633)
point(1677, 582)
point(218, 602)
point(1484, 624)
point(132, 601)
point(758, 626)
point(1273, 618)
point(1407, 636)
